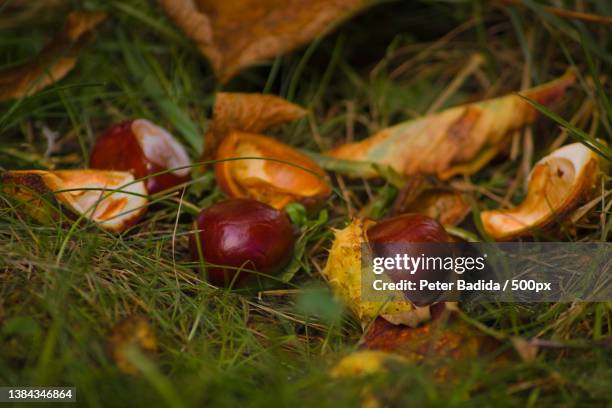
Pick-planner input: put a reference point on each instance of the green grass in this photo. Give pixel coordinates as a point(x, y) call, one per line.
point(275, 346)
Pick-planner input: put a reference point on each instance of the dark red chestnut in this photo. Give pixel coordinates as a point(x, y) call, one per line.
point(417, 236)
point(142, 148)
point(408, 228)
point(242, 233)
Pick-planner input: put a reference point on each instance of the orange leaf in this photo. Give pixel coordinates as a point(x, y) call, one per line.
point(236, 34)
point(247, 112)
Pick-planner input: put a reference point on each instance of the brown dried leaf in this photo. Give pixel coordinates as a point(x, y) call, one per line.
point(557, 185)
point(236, 34)
point(133, 331)
point(445, 338)
point(246, 112)
point(54, 62)
point(419, 196)
point(447, 207)
point(444, 143)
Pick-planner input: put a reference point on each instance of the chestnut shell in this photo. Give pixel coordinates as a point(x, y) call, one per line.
point(242, 233)
point(118, 149)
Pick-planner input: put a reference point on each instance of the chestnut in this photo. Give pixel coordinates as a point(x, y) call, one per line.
point(142, 148)
point(408, 228)
point(238, 236)
point(415, 235)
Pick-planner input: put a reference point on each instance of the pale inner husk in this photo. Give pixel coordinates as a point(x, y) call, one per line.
point(161, 147)
point(556, 183)
point(89, 195)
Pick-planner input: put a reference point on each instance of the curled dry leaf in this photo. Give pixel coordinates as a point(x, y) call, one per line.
point(239, 33)
point(450, 142)
point(289, 175)
point(54, 62)
point(557, 185)
point(247, 112)
point(420, 196)
point(144, 149)
point(79, 192)
point(343, 272)
point(386, 347)
point(132, 332)
point(432, 344)
point(438, 340)
point(446, 207)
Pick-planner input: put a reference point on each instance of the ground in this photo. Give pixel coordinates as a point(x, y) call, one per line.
point(62, 289)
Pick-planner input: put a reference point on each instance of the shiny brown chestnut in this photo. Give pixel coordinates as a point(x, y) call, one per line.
point(141, 147)
point(417, 236)
point(242, 235)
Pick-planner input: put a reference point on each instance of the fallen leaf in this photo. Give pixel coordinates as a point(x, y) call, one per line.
point(133, 331)
point(247, 112)
point(436, 340)
point(388, 348)
point(79, 192)
point(343, 272)
point(239, 33)
point(446, 143)
point(449, 208)
point(421, 196)
point(558, 183)
point(433, 344)
point(54, 62)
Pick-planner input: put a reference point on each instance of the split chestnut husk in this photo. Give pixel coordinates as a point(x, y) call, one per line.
point(79, 192)
point(557, 185)
point(271, 172)
point(344, 265)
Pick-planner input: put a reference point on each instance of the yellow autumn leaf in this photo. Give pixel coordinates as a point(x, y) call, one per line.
point(448, 142)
